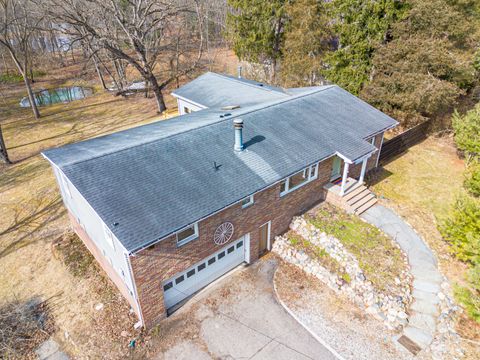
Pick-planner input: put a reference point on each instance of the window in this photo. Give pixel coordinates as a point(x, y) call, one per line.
point(167, 286)
point(188, 234)
point(179, 279)
point(239, 244)
point(248, 201)
point(190, 273)
point(299, 179)
point(221, 255)
point(230, 249)
point(108, 236)
point(211, 261)
point(201, 267)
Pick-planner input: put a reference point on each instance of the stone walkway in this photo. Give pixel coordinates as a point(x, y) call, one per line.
point(427, 281)
point(50, 350)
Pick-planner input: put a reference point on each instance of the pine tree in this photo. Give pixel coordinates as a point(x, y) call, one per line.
point(256, 29)
point(361, 26)
point(307, 38)
point(428, 65)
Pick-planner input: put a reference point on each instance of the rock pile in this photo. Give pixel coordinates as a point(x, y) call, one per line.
point(446, 343)
point(389, 308)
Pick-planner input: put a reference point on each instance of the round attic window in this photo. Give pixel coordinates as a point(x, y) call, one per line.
point(223, 233)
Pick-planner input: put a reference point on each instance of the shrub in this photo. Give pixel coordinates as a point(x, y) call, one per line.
point(15, 78)
point(473, 277)
point(467, 131)
point(469, 300)
point(462, 229)
point(472, 179)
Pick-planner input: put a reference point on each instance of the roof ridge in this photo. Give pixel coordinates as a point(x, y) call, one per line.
point(250, 110)
point(269, 88)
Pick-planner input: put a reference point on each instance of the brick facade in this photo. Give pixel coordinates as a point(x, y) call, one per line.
point(154, 265)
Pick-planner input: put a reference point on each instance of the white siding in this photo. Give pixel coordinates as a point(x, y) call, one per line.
point(94, 227)
point(182, 104)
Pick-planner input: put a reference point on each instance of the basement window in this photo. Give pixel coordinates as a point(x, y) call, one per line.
point(187, 234)
point(248, 201)
point(299, 179)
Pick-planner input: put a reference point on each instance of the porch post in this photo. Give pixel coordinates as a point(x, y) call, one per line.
point(364, 167)
point(344, 178)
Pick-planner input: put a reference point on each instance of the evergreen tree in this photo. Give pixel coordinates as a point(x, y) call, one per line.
point(256, 29)
point(360, 26)
point(428, 64)
point(307, 38)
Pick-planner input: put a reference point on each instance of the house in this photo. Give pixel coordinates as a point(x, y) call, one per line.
point(168, 207)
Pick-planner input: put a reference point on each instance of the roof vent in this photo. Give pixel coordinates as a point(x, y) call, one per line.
point(238, 126)
point(230, 107)
point(239, 69)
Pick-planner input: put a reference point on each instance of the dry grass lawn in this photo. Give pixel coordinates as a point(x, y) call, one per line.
point(421, 185)
point(32, 214)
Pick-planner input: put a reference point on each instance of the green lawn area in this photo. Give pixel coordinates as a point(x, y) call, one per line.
point(427, 177)
point(380, 260)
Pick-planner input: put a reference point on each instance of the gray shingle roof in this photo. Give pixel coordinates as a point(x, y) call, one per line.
point(217, 90)
point(157, 178)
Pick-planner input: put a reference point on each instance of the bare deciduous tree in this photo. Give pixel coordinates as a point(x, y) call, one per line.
point(3, 149)
point(138, 32)
point(18, 22)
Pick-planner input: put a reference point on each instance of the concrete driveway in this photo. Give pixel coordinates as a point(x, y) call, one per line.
point(238, 317)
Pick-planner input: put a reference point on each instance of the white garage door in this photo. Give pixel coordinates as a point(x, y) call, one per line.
point(201, 274)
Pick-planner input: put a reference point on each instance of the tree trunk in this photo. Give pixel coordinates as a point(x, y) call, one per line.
point(5, 65)
point(31, 96)
point(3, 149)
point(158, 93)
point(99, 73)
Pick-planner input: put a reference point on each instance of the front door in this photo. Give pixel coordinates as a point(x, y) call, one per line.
point(336, 168)
point(264, 235)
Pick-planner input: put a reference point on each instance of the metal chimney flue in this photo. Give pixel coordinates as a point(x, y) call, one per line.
point(238, 126)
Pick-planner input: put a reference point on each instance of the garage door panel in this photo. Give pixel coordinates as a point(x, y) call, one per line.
point(204, 272)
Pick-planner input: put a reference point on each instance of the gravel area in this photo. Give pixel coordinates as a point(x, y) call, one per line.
point(337, 321)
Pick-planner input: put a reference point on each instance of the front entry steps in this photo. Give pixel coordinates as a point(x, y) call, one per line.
point(359, 200)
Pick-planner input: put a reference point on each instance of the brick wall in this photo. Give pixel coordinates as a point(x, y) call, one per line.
point(103, 262)
point(156, 264)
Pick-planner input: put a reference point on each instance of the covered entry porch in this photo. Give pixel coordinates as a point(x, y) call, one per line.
point(349, 192)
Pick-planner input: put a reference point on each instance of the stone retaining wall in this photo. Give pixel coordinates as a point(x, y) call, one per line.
point(391, 309)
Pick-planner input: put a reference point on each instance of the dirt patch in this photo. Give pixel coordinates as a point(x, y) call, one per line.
point(24, 326)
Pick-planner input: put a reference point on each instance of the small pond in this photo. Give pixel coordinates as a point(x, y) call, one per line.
point(60, 95)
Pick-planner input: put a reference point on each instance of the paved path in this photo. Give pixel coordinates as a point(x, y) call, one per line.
point(427, 279)
point(245, 322)
point(50, 350)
